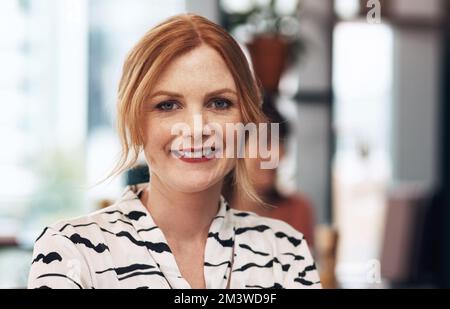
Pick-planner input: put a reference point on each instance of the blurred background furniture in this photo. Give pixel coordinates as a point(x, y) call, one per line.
point(412, 246)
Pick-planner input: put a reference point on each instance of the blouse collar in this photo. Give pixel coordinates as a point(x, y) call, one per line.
point(218, 249)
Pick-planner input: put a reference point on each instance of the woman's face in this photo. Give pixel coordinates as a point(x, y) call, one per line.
point(196, 86)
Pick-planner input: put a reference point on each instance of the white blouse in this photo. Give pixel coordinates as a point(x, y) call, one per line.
point(122, 247)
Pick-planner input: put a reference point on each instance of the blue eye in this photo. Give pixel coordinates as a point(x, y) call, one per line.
point(167, 106)
point(221, 104)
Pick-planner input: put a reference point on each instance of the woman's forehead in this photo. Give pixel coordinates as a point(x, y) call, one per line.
point(202, 67)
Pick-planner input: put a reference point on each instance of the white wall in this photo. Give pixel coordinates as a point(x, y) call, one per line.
point(208, 9)
point(312, 127)
point(416, 107)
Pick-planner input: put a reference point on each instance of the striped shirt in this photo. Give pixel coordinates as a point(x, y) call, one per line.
point(122, 247)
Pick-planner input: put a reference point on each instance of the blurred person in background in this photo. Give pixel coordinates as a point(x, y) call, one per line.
point(294, 209)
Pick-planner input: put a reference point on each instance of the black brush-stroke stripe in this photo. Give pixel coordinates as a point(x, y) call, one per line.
point(62, 276)
point(242, 214)
point(258, 228)
point(47, 259)
point(120, 220)
point(273, 287)
point(126, 269)
point(244, 246)
point(224, 242)
point(157, 247)
point(140, 273)
point(77, 239)
point(42, 234)
point(85, 225)
point(267, 265)
point(135, 215)
point(307, 269)
point(296, 257)
point(216, 265)
point(292, 240)
point(148, 229)
point(303, 281)
point(113, 212)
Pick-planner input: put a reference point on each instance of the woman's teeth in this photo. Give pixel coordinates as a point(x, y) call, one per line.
point(207, 152)
point(189, 154)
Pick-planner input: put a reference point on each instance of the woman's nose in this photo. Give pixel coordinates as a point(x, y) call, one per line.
point(196, 122)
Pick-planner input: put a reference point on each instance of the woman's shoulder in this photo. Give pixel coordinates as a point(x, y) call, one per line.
point(271, 244)
point(66, 246)
point(95, 224)
point(247, 222)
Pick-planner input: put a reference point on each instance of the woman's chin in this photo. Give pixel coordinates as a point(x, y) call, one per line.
point(186, 182)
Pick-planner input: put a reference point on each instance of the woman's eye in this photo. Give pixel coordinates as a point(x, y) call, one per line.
point(167, 106)
point(220, 104)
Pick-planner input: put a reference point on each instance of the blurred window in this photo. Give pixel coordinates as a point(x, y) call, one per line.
point(362, 82)
point(61, 62)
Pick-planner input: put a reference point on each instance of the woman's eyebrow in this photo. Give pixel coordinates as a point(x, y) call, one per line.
point(178, 95)
point(167, 93)
point(220, 91)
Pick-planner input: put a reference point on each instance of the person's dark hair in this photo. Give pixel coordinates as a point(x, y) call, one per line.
point(274, 116)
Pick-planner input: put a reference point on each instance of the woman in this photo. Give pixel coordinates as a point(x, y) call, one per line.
point(177, 231)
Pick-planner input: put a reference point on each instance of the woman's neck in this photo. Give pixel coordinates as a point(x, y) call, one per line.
point(180, 215)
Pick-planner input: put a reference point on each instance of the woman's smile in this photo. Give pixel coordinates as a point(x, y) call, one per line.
point(192, 155)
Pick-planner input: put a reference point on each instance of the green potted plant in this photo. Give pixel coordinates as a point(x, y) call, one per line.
point(271, 31)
